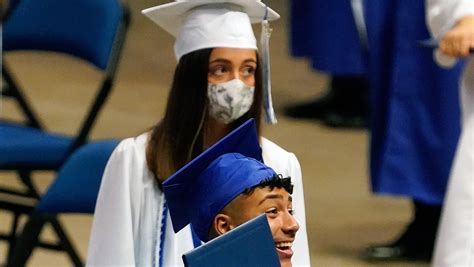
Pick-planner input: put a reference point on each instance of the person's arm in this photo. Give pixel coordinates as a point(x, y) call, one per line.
point(112, 241)
point(452, 23)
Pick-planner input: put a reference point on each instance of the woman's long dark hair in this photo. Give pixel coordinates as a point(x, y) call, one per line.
point(171, 142)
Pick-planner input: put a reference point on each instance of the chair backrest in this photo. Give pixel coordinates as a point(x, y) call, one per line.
point(93, 30)
point(77, 184)
point(83, 28)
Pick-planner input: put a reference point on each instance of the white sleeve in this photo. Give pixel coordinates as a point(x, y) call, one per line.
point(112, 241)
point(301, 248)
point(442, 15)
point(287, 164)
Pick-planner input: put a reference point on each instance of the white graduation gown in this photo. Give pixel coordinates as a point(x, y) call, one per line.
point(127, 224)
point(455, 239)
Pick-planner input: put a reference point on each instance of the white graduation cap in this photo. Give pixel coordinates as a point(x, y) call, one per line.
point(199, 24)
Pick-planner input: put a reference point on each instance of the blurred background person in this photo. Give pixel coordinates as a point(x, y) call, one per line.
point(452, 22)
point(325, 32)
point(3, 8)
point(414, 122)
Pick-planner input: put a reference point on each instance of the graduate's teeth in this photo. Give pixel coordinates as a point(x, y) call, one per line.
point(284, 244)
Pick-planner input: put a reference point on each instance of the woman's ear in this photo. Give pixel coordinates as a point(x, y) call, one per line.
point(222, 224)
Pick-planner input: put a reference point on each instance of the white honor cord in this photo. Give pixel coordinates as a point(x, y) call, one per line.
point(158, 244)
point(270, 116)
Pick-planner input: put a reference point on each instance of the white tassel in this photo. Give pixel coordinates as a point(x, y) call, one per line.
point(270, 116)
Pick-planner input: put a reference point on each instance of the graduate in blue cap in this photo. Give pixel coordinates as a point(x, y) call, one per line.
point(227, 185)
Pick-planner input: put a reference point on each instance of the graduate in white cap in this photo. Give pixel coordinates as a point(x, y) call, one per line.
point(227, 185)
point(220, 82)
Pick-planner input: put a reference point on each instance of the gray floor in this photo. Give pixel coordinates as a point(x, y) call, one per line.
point(342, 215)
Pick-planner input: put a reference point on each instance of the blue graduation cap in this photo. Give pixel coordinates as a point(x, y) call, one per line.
point(197, 192)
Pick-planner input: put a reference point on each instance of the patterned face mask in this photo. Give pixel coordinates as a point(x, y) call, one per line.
point(230, 100)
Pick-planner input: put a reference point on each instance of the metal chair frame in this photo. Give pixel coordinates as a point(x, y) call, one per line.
point(30, 196)
point(55, 202)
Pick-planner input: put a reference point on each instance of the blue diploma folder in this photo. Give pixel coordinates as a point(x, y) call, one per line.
point(250, 244)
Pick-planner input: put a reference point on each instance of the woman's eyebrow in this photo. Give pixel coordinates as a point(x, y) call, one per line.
point(222, 60)
point(250, 60)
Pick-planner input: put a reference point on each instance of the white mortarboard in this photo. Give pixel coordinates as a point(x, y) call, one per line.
point(199, 24)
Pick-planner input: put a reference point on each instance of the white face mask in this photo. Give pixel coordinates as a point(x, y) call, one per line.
point(230, 100)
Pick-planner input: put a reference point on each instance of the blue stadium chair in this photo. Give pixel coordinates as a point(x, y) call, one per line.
point(93, 31)
point(74, 190)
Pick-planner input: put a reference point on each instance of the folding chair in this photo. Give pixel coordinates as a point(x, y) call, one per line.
point(74, 190)
point(91, 30)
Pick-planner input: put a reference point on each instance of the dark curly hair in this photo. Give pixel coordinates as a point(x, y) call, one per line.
point(277, 181)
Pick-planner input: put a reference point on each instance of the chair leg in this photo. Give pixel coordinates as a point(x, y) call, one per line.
point(64, 240)
point(26, 242)
point(12, 236)
point(65, 243)
point(25, 177)
point(33, 120)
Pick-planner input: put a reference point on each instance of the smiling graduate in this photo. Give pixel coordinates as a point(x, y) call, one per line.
point(226, 186)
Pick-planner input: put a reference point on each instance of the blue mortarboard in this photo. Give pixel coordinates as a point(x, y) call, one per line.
point(197, 192)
